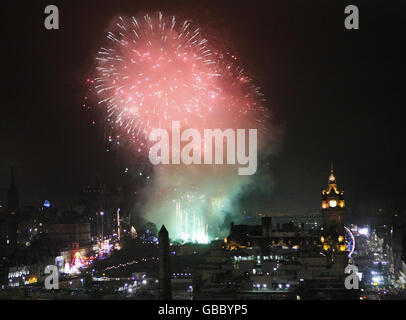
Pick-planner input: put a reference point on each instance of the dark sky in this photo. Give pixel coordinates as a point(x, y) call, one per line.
point(338, 94)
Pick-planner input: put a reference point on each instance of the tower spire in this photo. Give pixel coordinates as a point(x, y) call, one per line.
point(332, 202)
point(331, 178)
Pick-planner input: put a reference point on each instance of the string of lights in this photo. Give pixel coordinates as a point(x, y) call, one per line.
point(130, 263)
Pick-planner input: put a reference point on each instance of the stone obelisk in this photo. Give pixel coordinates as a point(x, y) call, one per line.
point(165, 292)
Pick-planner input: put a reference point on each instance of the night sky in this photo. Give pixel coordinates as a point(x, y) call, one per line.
point(336, 94)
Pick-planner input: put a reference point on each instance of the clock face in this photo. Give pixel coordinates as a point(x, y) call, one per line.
point(332, 203)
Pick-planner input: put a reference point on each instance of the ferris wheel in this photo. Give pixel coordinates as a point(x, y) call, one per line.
point(349, 237)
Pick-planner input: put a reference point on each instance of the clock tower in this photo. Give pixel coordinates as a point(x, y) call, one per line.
point(332, 203)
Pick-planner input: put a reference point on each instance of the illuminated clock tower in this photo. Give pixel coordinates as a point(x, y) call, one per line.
point(332, 203)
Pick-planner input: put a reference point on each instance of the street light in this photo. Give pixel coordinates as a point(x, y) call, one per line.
point(97, 227)
point(102, 215)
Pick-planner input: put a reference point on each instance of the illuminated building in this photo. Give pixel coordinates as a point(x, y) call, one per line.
point(333, 236)
point(287, 234)
point(284, 260)
point(332, 203)
point(23, 275)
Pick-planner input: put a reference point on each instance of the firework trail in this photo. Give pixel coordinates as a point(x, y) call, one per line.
point(154, 70)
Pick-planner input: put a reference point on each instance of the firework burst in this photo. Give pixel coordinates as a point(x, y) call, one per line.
point(154, 70)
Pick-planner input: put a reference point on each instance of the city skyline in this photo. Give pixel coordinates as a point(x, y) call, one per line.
point(211, 150)
point(314, 124)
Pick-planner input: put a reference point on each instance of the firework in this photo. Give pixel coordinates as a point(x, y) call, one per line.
point(190, 224)
point(155, 70)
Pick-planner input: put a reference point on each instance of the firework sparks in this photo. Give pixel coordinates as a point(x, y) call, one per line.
point(155, 70)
